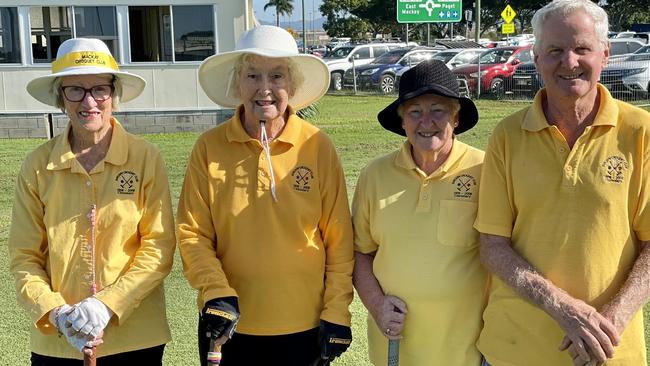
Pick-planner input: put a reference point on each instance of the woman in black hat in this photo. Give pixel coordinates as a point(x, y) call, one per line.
point(417, 264)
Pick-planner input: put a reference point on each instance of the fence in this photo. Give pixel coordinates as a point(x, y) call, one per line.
point(627, 78)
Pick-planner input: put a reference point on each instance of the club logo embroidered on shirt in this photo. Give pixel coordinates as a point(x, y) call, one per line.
point(302, 177)
point(126, 182)
point(465, 186)
point(615, 167)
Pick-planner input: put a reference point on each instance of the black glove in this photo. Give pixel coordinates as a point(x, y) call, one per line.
point(220, 316)
point(334, 339)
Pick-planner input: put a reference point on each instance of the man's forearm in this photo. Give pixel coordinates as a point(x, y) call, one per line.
point(634, 293)
point(499, 258)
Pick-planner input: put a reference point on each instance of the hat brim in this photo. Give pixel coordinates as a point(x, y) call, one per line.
point(467, 116)
point(41, 88)
point(217, 72)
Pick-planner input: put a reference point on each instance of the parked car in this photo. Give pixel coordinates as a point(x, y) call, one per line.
point(628, 78)
point(526, 81)
point(342, 58)
point(455, 57)
point(621, 47)
point(494, 68)
point(380, 73)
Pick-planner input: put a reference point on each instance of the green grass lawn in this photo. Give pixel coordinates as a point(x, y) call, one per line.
point(350, 121)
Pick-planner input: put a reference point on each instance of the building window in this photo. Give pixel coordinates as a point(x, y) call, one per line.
point(50, 27)
point(150, 30)
point(97, 22)
point(9, 39)
point(151, 33)
point(193, 32)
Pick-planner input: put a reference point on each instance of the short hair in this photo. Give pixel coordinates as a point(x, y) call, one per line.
point(115, 98)
point(451, 103)
point(566, 7)
point(296, 77)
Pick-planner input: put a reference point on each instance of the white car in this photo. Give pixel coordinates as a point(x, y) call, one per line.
point(455, 57)
point(342, 58)
point(630, 76)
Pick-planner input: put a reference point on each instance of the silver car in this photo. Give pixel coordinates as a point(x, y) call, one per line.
point(629, 77)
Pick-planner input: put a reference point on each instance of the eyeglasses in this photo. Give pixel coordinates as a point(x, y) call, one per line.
point(76, 93)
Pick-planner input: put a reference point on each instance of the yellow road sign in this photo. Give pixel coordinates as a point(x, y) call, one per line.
point(507, 28)
point(508, 14)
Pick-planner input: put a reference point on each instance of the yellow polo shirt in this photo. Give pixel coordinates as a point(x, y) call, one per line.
point(290, 262)
point(576, 215)
point(50, 241)
point(426, 253)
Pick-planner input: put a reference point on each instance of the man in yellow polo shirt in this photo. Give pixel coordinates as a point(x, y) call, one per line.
point(563, 209)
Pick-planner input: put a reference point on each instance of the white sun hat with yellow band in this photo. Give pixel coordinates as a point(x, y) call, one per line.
point(84, 56)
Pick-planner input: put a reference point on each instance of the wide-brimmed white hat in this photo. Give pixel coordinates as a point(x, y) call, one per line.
point(84, 56)
point(216, 73)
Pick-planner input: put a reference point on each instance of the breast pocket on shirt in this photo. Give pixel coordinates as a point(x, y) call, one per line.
point(455, 223)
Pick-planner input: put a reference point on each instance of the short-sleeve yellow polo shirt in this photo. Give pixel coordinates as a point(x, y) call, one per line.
point(426, 253)
point(575, 214)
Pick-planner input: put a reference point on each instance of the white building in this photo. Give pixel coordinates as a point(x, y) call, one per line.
point(164, 41)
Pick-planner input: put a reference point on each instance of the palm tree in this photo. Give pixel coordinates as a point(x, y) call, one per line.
point(282, 7)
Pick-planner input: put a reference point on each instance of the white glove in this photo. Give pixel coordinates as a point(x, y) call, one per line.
point(89, 317)
point(58, 317)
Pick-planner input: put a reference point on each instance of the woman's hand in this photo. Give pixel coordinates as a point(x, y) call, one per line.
point(389, 315)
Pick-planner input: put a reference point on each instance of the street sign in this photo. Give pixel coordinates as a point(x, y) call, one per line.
point(508, 14)
point(429, 11)
point(508, 28)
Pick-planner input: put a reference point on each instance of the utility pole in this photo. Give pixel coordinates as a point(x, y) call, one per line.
point(304, 29)
point(478, 20)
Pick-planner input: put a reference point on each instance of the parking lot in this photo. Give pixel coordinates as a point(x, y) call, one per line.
point(502, 72)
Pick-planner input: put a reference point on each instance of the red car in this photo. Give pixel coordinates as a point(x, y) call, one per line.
point(496, 68)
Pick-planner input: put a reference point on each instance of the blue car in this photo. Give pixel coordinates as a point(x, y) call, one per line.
point(380, 73)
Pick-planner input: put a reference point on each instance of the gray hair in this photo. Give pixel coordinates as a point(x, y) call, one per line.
point(58, 95)
point(296, 78)
point(564, 8)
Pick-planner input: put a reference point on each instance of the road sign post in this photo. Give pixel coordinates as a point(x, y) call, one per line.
point(429, 11)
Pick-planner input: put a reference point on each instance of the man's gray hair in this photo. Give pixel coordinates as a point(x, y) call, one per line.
point(564, 8)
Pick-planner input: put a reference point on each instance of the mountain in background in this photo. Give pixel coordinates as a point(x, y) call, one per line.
point(297, 24)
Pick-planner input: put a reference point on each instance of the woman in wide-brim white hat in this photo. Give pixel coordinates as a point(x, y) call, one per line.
point(263, 220)
point(92, 234)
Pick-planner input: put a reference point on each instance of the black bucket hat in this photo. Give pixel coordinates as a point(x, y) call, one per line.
point(428, 77)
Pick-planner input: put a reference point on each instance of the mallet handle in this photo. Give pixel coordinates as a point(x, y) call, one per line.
point(91, 359)
point(393, 352)
point(214, 349)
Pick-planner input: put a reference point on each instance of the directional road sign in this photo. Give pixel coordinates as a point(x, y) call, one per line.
point(428, 11)
point(508, 14)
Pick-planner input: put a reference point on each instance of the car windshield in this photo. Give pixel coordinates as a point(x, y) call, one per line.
point(639, 57)
point(341, 52)
point(391, 57)
point(644, 49)
point(444, 56)
point(493, 57)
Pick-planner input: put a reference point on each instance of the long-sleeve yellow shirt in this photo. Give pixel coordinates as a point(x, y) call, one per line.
point(50, 241)
point(290, 262)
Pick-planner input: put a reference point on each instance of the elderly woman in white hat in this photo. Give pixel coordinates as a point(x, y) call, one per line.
point(417, 267)
point(263, 219)
point(92, 234)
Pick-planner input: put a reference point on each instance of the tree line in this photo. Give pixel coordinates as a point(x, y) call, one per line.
point(356, 18)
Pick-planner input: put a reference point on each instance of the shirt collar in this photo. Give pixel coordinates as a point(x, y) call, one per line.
point(404, 158)
point(535, 120)
point(290, 134)
point(62, 157)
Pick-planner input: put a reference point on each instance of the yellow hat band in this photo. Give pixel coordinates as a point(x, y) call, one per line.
point(84, 58)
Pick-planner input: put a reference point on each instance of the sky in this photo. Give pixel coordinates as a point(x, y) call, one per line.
point(269, 15)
